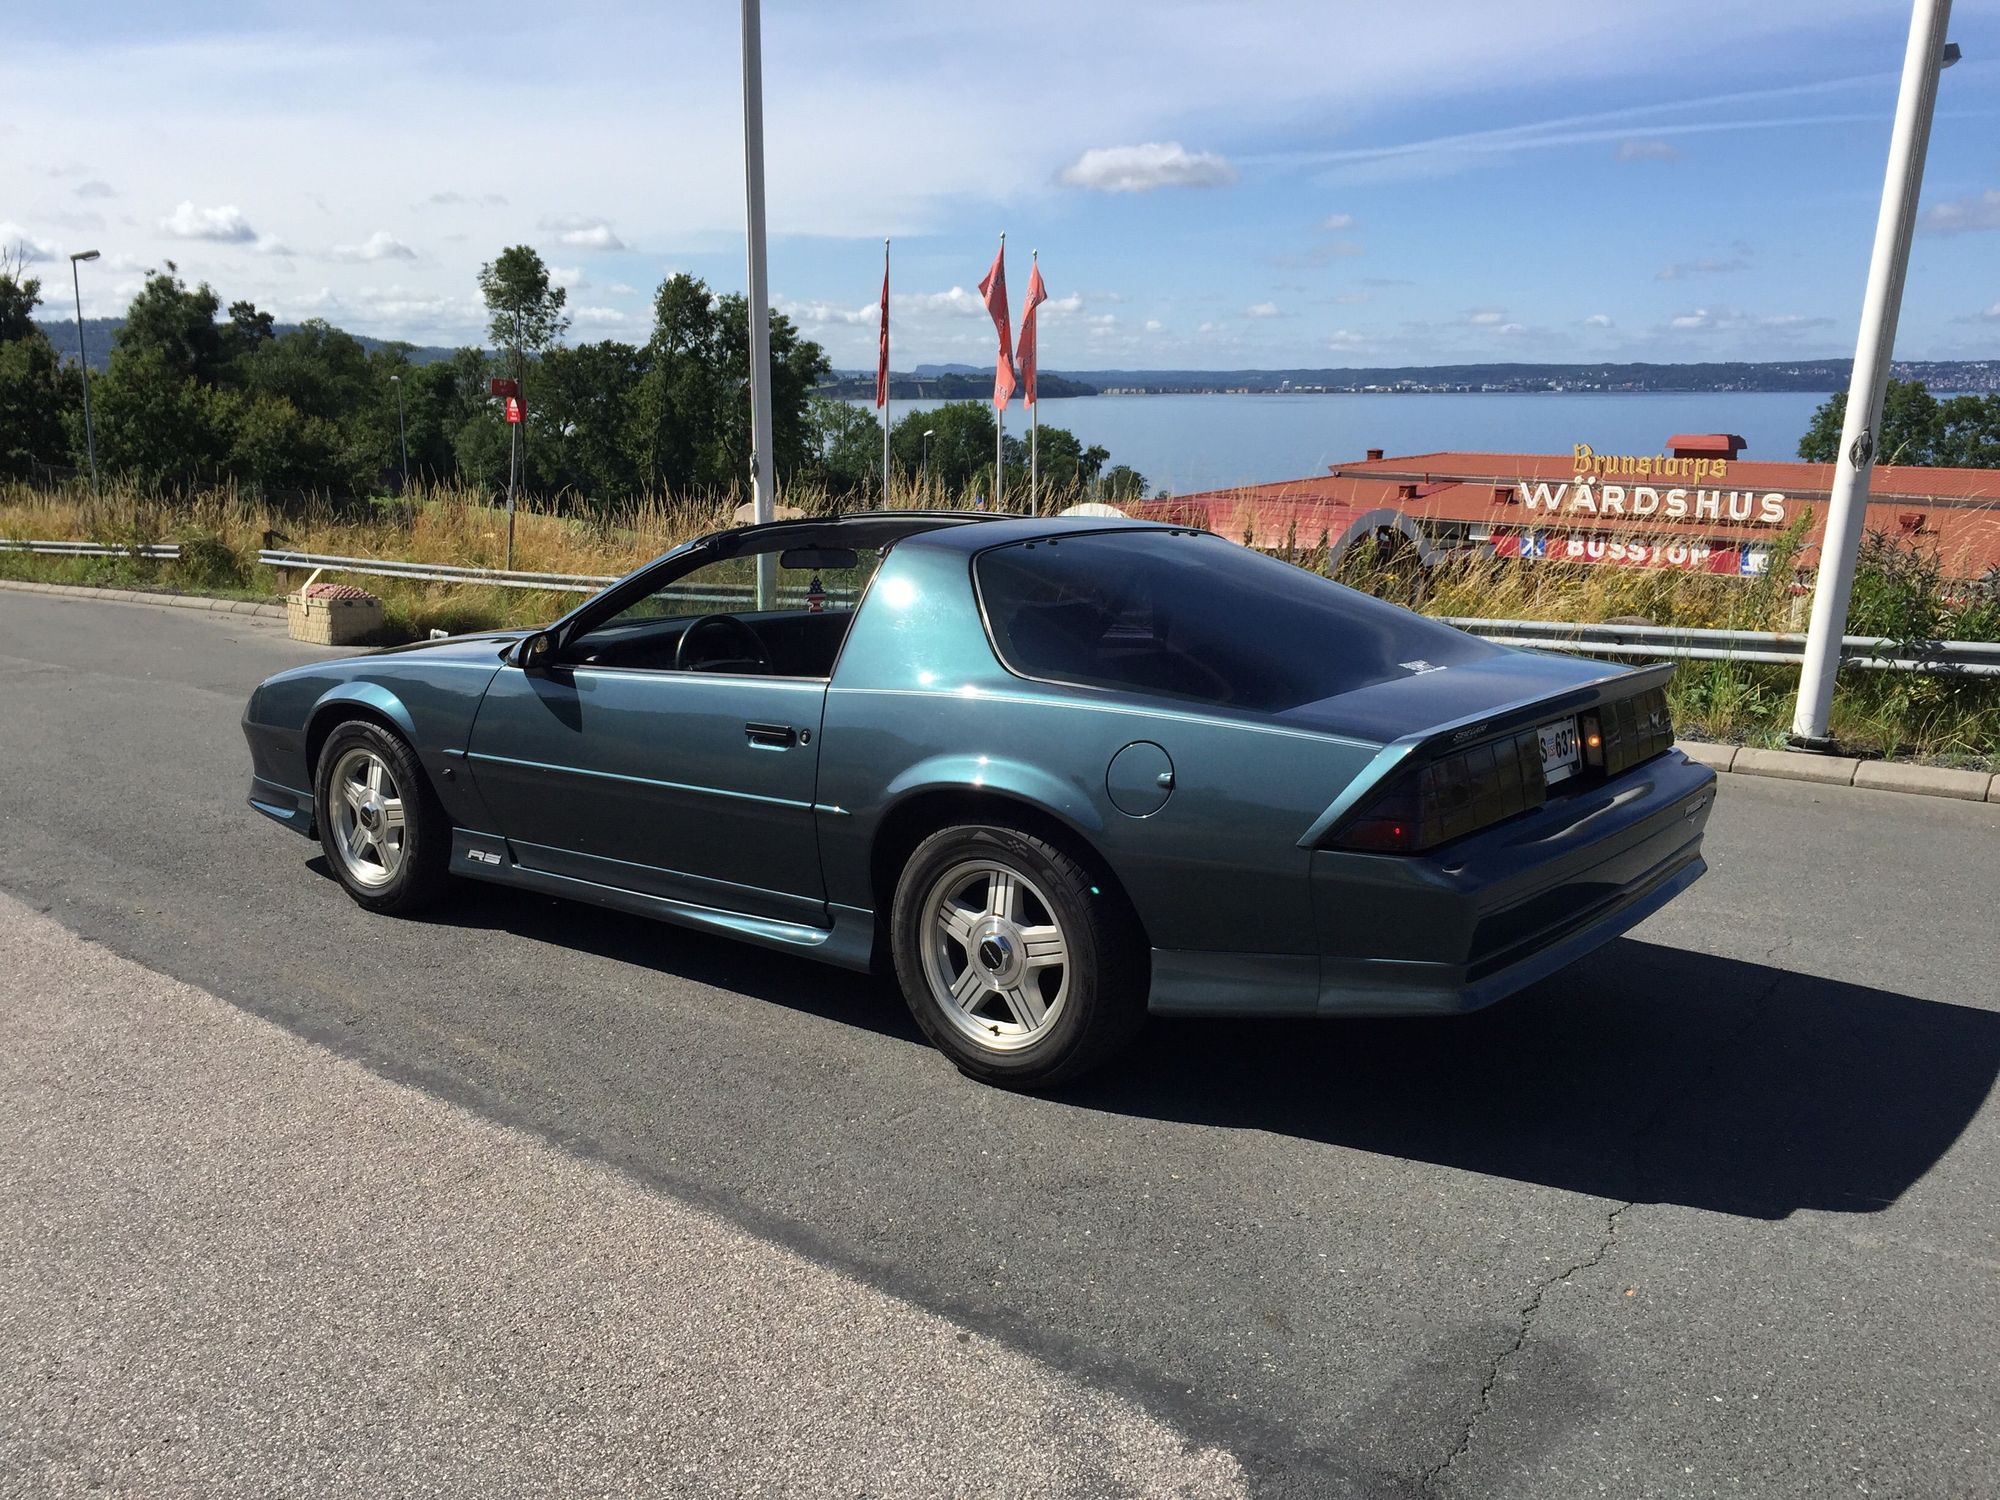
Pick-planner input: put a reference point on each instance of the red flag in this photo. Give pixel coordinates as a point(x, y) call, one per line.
point(994, 290)
point(1025, 349)
point(882, 347)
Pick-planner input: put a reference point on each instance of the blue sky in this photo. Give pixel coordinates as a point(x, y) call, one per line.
point(1210, 184)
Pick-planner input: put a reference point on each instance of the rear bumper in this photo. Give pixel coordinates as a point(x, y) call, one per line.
point(1482, 918)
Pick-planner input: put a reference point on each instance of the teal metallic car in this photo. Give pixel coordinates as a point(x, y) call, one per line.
point(1055, 773)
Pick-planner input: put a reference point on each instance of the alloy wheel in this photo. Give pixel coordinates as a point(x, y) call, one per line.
point(995, 955)
point(371, 832)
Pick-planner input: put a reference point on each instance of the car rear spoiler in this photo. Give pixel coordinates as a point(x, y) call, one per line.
point(1494, 723)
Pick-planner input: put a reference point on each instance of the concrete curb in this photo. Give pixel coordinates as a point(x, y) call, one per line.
point(1837, 770)
point(140, 596)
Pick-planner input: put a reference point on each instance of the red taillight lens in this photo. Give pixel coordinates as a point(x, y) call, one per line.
point(1449, 798)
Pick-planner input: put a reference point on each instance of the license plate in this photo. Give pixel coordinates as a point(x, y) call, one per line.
point(1562, 753)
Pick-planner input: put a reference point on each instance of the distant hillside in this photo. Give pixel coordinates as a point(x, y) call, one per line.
point(99, 332)
point(930, 382)
point(1771, 375)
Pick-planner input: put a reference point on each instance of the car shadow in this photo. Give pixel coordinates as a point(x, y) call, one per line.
point(1643, 1073)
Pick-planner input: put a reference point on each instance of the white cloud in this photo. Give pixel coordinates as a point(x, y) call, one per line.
point(16, 242)
point(570, 277)
point(450, 198)
point(620, 289)
point(1991, 314)
point(1337, 222)
point(1140, 169)
point(1646, 149)
point(1486, 317)
point(95, 189)
point(1347, 338)
point(1963, 215)
point(582, 231)
point(1699, 318)
point(599, 317)
point(1680, 270)
point(1261, 310)
point(1599, 320)
point(1154, 325)
point(224, 225)
point(381, 245)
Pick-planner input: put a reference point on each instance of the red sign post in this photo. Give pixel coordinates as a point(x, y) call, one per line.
point(499, 386)
point(514, 409)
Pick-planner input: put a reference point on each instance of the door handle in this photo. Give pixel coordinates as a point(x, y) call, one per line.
point(771, 736)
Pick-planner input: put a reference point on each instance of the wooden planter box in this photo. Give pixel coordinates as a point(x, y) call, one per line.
point(333, 621)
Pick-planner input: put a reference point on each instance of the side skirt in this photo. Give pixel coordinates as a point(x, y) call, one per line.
point(848, 943)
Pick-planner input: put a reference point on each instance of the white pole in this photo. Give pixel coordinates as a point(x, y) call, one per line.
point(1034, 416)
point(1848, 508)
point(886, 500)
point(999, 427)
point(762, 500)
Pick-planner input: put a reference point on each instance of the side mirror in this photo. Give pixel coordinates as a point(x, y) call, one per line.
point(536, 652)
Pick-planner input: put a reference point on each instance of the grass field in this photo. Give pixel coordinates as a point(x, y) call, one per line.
point(220, 533)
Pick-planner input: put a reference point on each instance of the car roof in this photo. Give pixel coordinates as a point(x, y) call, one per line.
point(966, 530)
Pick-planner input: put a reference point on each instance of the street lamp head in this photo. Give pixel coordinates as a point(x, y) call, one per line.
point(395, 380)
point(84, 255)
point(930, 432)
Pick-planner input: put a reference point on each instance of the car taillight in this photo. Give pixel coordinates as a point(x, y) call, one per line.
point(1460, 794)
point(1617, 736)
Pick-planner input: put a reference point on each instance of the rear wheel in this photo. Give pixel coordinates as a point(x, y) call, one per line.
point(1017, 963)
point(383, 832)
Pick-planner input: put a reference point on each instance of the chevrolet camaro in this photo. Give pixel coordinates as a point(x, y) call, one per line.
point(1054, 774)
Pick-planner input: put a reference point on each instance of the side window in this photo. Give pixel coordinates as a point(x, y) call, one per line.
point(728, 586)
point(711, 619)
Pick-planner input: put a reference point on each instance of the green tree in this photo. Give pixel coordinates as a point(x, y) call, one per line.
point(35, 394)
point(1122, 482)
point(692, 409)
point(158, 424)
point(848, 442)
point(248, 328)
point(19, 296)
point(275, 446)
point(35, 398)
point(961, 447)
point(438, 400)
point(583, 419)
point(177, 325)
point(1917, 428)
point(524, 307)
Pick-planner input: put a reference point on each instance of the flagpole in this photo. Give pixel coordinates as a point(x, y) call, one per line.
point(999, 423)
point(762, 478)
point(886, 500)
point(1034, 406)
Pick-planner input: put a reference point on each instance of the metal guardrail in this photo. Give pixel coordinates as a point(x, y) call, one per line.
point(1649, 642)
point(155, 551)
point(560, 583)
point(1874, 653)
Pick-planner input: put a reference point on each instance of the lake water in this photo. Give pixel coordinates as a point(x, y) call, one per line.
point(1185, 443)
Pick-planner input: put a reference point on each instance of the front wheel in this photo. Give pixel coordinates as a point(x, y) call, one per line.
point(1021, 967)
point(379, 823)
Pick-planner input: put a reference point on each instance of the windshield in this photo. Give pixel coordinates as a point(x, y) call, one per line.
point(1190, 615)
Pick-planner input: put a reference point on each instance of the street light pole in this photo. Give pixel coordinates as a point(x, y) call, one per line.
point(83, 363)
point(402, 436)
point(762, 501)
point(1839, 549)
point(927, 462)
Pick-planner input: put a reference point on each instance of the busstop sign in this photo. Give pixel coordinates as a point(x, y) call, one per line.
point(514, 410)
point(501, 386)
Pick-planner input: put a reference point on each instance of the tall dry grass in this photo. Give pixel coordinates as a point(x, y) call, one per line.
point(220, 533)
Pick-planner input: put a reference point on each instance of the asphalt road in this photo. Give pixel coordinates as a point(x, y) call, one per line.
point(1711, 1213)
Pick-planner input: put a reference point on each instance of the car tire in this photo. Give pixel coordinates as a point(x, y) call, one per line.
point(385, 836)
point(1022, 966)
